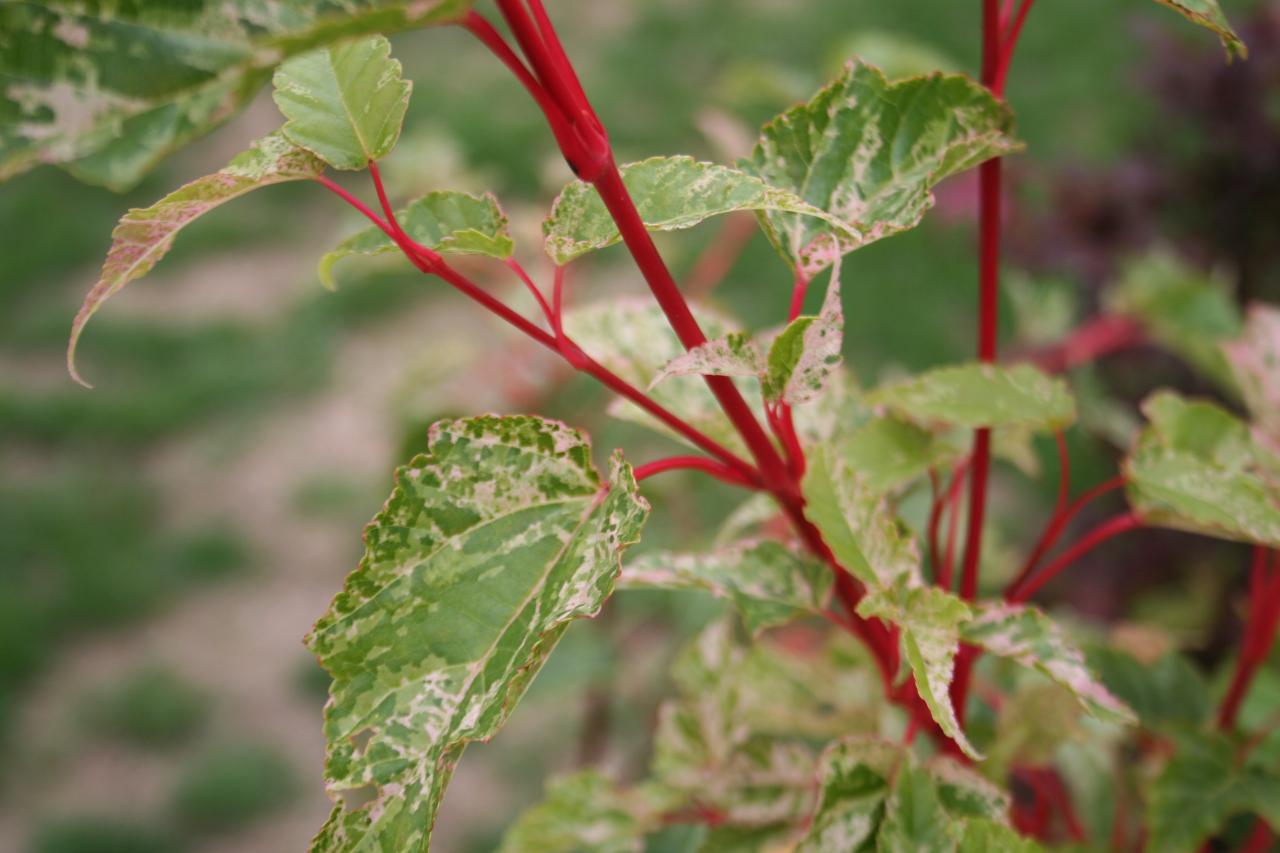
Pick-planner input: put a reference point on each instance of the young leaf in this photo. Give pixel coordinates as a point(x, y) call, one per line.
point(804, 356)
point(735, 354)
point(1195, 467)
point(344, 103)
point(443, 221)
point(1208, 14)
point(888, 453)
point(490, 544)
point(868, 152)
point(856, 777)
point(769, 583)
point(856, 523)
point(980, 395)
point(1167, 694)
point(670, 193)
point(145, 235)
point(1029, 637)
point(930, 619)
point(582, 811)
point(1254, 359)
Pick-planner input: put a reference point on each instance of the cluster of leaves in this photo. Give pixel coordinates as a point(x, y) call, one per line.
point(503, 532)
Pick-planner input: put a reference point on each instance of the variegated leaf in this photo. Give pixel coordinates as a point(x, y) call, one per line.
point(145, 235)
point(1254, 359)
point(1029, 637)
point(767, 582)
point(1208, 14)
point(808, 351)
point(888, 453)
point(869, 152)
point(857, 775)
point(444, 221)
point(492, 542)
point(583, 811)
point(670, 193)
point(980, 395)
point(1196, 467)
point(735, 354)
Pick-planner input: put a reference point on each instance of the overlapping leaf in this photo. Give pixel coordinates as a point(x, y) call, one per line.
point(1196, 467)
point(443, 221)
point(802, 358)
point(868, 152)
point(71, 99)
point(1254, 359)
point(491, 543)
point(1208, 14)
point(344, 103)
point(670, 193)
point(889, 452)
point(735, 354)
point(980, 395)
point(145, 235)
point(582, 811)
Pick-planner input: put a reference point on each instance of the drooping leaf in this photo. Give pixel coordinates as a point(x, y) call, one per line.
point(443, 221)
point(930, 619)
point(889, 453)
point(110, 89)
point(145, 235)
point(670, 193)
point(869, 152)
point(769, 583)
point(582, 811)
point(344, 103)
point(856, 523)
point(1196, 467)
point(491, 543)
point(1208, 14)
point(1182, 308)
point(1254, 359)
point(1169, 693)
point(735, 354)
point(804, 356)
point(1029, 637)
point(980, 395)
point(857, 774)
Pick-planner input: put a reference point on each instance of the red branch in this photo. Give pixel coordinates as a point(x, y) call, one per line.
point(698, 463)
point(1259, 631)
point(1112, 527)
point(1055, 527)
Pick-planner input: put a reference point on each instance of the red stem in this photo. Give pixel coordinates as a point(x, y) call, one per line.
point(1259, 631)
point(1089, 342)
point(1010, 43)
point(523, 275)
point(1056, 525)
point(799, 288)
point(1259, 840)
point(1095, 537)
point(705, 464)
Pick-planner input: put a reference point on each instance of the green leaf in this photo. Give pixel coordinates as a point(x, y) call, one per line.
point(670, 193)
point(445, 221)
point(856, 777)
point(492, 542)
point(856, 523)
point(1200, 788)
point(930, 619)
point(1254, 359)
point(1029, 637)
point(344, 103)
point(582, 811)
point(1208, 14)
point(989, 836)
point(889, 453)
point(804, 356)
point(769, 583)
point(980, 395)
point(965, 794)
point(735, 354)
point(914, 820)
point(1182, 308)
point(145, 235)
point(868, 152)
point(1168, 693)
point(68, 97)
point(1044, 310)
point(1195, 467)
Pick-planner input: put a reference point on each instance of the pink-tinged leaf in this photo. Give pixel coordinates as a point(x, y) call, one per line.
point(1255, 360)
point(145, 235)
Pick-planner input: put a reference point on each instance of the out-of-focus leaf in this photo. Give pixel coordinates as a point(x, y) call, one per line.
point(769, 583)
point(1029, 637)
point(1184, 309)
point(735, 354)
point(492, 542)
point(1195, 467)
point(1044, 311)
point(582, 811)
point(897, 54)
point(989, 836)
point(980, 395)
point(1169, 692)
point(857, 774)
point(1208, 14)
point(914, 820)
point(869, 152)
point(1254, 359)
point(112, 88)
point(670, 193)
point(344, 103)
point(443, 221)
point(145, 235)
point(808, 351)
point(889, 453)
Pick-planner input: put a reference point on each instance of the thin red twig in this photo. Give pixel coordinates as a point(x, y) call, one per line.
point(1259, 631)
point(1112, 527)
point(705, 464)
point(1055, 527)
point(523, 275)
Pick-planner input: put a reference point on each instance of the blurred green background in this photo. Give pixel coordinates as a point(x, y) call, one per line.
point(167, 539)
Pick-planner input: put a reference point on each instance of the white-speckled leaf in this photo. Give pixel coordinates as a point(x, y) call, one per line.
point(1029, 637)
point(980, 395)
point(145, 235)
point(445, 221)
point(856, 776)
point(1208, 14)
point(492, 542)
point(804, 356)
point(735, 354)
point(582, 811)
point(930, 620)
point(111, 89)
point(1196, 467)
point(670, 193)
point(769, 583)
point(857, 523)
point(869, 152)
point(344, 103)
point(1254, 359)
